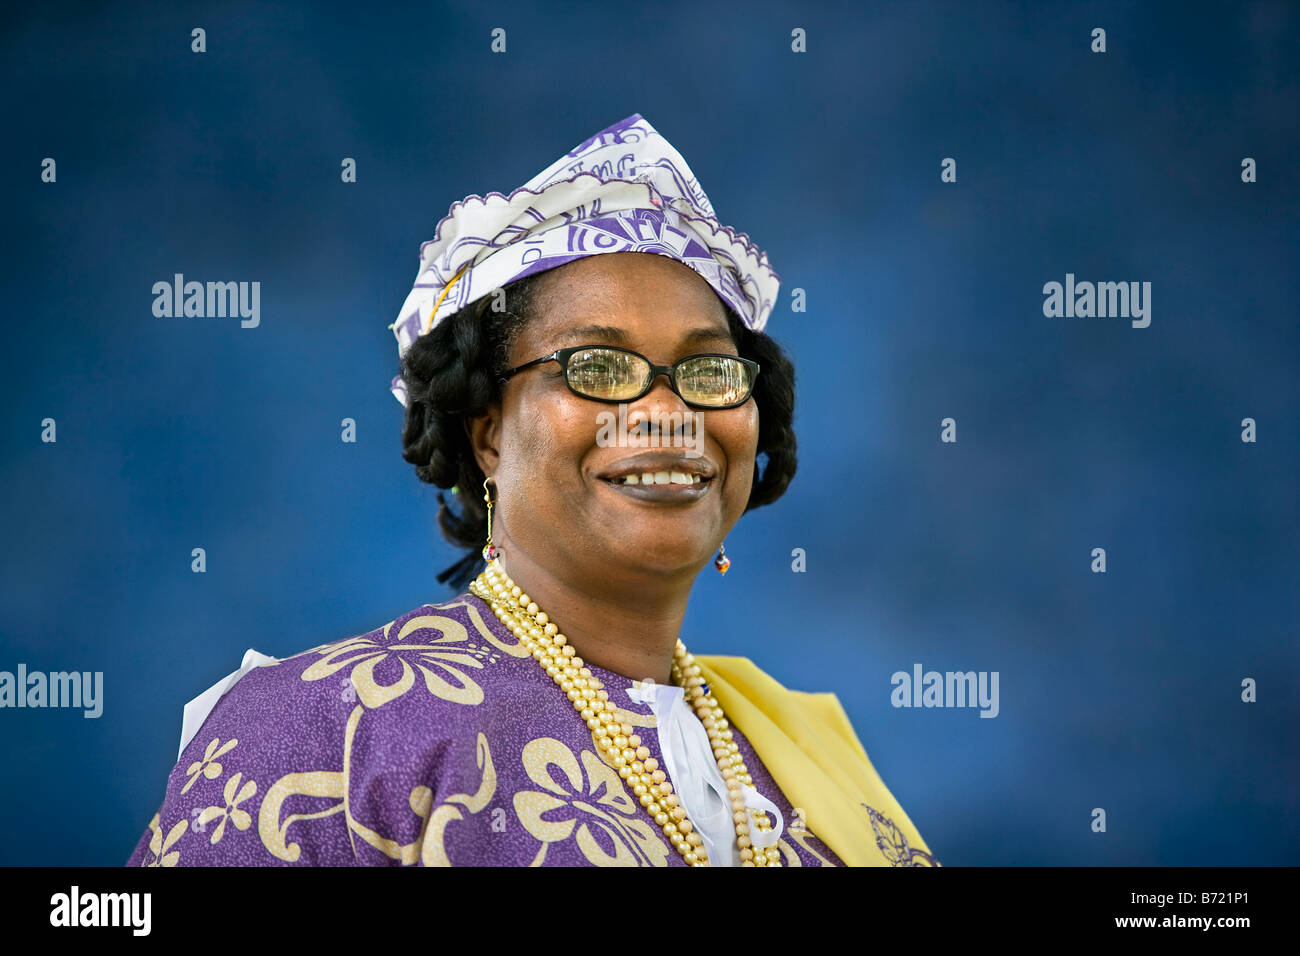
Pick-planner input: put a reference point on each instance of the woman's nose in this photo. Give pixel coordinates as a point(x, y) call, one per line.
point(661, 410)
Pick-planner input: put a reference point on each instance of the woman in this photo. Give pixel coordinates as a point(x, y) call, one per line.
point(583, 363)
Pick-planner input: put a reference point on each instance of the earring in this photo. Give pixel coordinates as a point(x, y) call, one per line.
point(722, 562)
point(489, 549)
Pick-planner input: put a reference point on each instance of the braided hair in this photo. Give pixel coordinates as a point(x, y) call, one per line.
point(453, 373)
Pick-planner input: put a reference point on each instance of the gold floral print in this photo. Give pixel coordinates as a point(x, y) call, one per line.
point(159, 847)
point(586, 801)
point(427, 848)
point(321, 784)
point(273, 830)
point(209, 765)
point(513, 647)
point(439, 649)
point(433, 851)
point(234, 795)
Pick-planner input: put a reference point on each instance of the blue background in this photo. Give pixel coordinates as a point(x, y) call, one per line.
point(924, 300)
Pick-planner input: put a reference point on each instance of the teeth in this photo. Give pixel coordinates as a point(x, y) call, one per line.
point(661, 478)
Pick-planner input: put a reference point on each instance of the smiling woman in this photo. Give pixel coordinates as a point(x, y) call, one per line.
point(549, 714)
point(542, 433)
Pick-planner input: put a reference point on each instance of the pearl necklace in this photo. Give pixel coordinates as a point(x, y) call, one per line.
point(622, 748)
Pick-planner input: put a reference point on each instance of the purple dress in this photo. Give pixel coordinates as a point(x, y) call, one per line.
point(436, 739)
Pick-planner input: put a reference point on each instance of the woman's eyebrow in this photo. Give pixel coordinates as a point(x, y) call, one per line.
point(618, 336)
point(611, 332)
point(706, 334)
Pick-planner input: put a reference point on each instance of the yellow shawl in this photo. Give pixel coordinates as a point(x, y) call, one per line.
point(807, 743)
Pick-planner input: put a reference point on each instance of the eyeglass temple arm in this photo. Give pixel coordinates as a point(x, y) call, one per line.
point(519, 368)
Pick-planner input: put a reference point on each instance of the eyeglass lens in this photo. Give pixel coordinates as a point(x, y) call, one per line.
point(615, 375)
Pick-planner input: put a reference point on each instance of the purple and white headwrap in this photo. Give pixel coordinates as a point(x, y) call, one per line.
point(623, 190)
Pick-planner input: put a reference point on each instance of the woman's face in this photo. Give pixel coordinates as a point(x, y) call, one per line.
point(550, 451)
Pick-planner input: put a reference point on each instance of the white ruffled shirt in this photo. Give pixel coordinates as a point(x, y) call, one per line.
point(697, 781)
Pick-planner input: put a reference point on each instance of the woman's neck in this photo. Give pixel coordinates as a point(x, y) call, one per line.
point(627, 624)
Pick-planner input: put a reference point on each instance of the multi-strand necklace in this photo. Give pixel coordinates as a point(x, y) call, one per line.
point(622, 748)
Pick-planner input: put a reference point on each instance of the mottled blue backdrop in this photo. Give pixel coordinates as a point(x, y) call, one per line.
point(924, 301)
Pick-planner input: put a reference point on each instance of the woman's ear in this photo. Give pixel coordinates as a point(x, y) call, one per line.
point(484, 433)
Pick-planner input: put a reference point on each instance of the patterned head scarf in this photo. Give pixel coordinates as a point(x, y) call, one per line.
point(623, 190)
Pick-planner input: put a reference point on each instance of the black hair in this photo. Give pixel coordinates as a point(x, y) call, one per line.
point(453, 373)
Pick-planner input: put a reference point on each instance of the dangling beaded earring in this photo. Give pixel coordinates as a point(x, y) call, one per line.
point(489, 549)
point(722, 562)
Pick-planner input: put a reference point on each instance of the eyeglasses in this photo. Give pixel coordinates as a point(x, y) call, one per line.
point(610, 374)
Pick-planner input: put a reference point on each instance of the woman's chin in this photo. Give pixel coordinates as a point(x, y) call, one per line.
point(654, 557)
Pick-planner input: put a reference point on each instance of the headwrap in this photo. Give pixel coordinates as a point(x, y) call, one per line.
point(626, 189)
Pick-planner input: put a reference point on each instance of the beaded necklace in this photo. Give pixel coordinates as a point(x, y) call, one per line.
point(622, 748)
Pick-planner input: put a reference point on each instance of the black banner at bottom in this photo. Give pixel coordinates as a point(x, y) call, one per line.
point(966, 903)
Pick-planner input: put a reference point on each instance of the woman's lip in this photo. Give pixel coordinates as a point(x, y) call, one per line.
point(669, 493)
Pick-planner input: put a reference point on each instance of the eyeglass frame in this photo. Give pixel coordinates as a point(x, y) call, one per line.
point(563, 355)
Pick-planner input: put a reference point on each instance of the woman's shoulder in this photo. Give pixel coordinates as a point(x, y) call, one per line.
point(281, 737)
point(309, 695)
